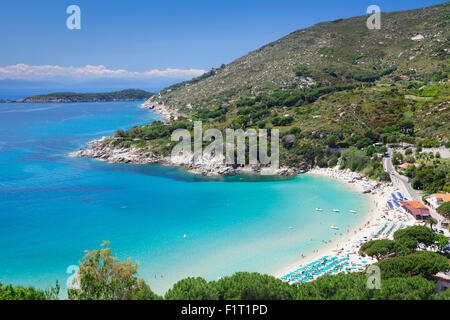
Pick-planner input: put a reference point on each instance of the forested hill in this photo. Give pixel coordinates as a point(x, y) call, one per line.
point(410, 43)
point(62, 97)
point(337, 91)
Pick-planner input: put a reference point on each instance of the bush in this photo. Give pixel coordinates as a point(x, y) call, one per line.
point(282, 121)
point(302, 71)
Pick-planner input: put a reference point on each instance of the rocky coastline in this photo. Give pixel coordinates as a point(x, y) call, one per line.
point(160, 108)
point(104, 150)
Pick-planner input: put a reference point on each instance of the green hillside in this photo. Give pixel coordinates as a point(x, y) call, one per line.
point(334, 85)
point(330, 53)
point(123, 95)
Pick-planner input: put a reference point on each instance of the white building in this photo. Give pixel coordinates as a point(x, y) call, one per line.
point(437, 199)
point(443, 281)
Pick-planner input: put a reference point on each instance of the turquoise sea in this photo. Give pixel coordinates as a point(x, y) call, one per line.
point(53, 207)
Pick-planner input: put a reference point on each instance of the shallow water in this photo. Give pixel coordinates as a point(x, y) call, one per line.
point(53, 207)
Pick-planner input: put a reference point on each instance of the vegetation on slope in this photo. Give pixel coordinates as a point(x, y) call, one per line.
point(329, 87)
point(123, 95)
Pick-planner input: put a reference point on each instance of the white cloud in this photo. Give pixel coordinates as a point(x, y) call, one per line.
point(26, 72)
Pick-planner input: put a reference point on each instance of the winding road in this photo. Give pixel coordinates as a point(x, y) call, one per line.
point(400, 182)
point(403, 183)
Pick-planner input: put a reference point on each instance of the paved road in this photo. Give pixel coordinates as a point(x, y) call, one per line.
point(403, 184)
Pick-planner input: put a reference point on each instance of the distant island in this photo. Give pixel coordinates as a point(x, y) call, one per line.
point(67, 97)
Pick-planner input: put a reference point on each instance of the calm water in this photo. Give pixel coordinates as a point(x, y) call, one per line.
point(53, 207)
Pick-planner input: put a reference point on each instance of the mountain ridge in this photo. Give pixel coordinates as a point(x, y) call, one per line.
point(336, 91)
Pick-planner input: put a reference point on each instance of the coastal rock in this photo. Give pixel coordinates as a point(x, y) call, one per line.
point(419, 37)
point(101, 150)
point(104, 150)
point(160, 108)
point(290, 138)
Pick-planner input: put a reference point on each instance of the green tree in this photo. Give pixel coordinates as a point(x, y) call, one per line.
point(413, 236)
point(414, 288)
point(192, 289)
point(423, 263)
point(253, 286)
point(442, 295)
point(104, 277)
point(397, 158)
point(377, 248)
point(444, 209)
point(432, 222)
point(441, 241)
point(331, 141)
point(351, 286)
point(8, 292)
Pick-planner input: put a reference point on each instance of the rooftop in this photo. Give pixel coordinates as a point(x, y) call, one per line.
point(444, 196)
point(416, 208)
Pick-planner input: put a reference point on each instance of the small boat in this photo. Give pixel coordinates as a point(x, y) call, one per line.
point(334, 227)
point(318, 209)
point(336, 210)
point(352, 211)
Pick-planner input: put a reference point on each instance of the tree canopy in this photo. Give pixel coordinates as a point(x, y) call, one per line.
point(192, 289)
point(413, 236)
point(104, 277)
point(253, 286)
point(378, 248)
point(423, 263)
point(444, 209)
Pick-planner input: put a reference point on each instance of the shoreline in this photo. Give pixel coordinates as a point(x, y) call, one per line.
point(328, 249)
point(98, 149)
point(207, 166)
point(346, 244)
point(350, 242)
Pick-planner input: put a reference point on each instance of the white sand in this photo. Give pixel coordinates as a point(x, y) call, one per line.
point(351, 242)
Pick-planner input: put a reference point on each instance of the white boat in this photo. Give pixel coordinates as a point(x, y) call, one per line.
point(336, 210)
point(334, 227)
point(318, 209)
point(352, 211)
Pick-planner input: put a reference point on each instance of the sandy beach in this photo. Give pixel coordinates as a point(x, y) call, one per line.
point(347, 246)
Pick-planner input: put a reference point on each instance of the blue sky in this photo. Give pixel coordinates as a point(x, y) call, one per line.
point(138, 35)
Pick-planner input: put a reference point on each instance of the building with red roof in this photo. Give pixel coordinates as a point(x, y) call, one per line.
point(418, 210)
